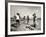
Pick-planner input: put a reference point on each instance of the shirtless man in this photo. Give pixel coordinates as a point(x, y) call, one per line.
point(18, 18)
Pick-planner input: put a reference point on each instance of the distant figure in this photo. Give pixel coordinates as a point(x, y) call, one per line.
point(27, 19)
point(34, 17)
point(24, 19)
point(18, 18)
point(15, 17)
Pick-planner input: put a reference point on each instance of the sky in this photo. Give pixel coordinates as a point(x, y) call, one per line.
point(25, 10)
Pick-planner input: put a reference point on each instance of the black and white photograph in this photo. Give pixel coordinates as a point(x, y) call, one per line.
point(24, 18)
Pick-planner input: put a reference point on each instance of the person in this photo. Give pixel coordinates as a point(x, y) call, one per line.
point(24, 19)
point(18, 18)
point(15, 18)
point(27, 19)
point(34, 17)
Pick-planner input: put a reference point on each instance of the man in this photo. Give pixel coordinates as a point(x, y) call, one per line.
point(24, 19)
point(27, 19)
point(18, 18)
point(34, 17)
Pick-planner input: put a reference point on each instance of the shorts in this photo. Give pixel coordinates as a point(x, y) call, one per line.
point(17, 21)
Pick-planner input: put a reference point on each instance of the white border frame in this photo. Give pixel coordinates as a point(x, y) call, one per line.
point(24, 32)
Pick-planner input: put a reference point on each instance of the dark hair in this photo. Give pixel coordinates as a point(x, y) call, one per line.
point(18, 14)
point(34, 14)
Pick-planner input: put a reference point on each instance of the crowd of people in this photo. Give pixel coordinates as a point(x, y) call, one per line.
point(18, 18)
